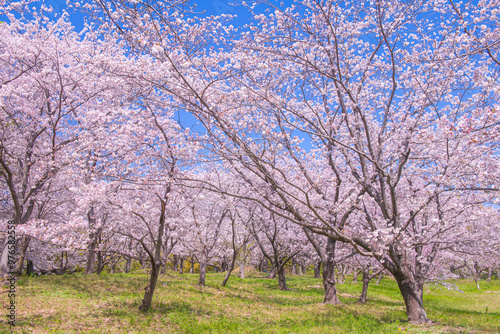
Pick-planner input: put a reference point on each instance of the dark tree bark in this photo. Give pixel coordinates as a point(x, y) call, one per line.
point(100, 263)
point(412, 297)
point(329, 281)
point(366, 281)
point(235, 253)
point(22, 246)
point(281, 278)
point(30, 270)
point(191, 269)
point(175, 263)
point(317, 269)
point(181, 265)
point(163, 266)
point(154, 259)
point(203, 267)
point(91, 254)
point(367, 277)
point(399, 266)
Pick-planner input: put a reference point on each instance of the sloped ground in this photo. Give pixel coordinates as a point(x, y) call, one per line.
point(108, 304)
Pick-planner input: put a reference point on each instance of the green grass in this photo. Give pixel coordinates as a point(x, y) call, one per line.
point(108, 304)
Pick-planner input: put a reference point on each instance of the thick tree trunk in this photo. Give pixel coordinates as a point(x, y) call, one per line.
point(22, 247)
point(100, 263)
point(203, 267)
point(281, 278)
point(329, 281)
point(412, 298)
point(366, 281)
point(90, 263)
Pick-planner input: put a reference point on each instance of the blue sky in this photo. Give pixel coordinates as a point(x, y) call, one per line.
point(205, 7)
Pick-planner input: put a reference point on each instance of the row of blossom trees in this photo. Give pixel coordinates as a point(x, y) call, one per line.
point(320, 130)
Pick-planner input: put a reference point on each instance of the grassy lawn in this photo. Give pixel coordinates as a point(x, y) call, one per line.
point(108, 304)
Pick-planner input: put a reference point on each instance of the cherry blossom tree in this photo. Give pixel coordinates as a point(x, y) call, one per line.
point(361, 124)
point(46, 94)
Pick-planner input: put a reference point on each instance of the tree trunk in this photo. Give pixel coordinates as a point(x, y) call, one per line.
point(412, 297)
point(294, 268)
point(329, 282)
point(4, 260)
point(281, 278)
point(272, 273)
point(181, 265)
point(242, 260)
point(242, 268)
point(128, 264)
point(163, 266)
point(476, 279)
point(175, 263)
point(380, 278)
point(355, 274)
point(203, 267)
point(490, 273)
point(100, 263)
point(317, 270)
point(366, 281)
point(235, 254)
point(90, 263)
point(150, 289)
point(341, 273)
point(155, 262)
point(191, 270)
point(30, 270)
point(229, 271)
point(22, 248)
